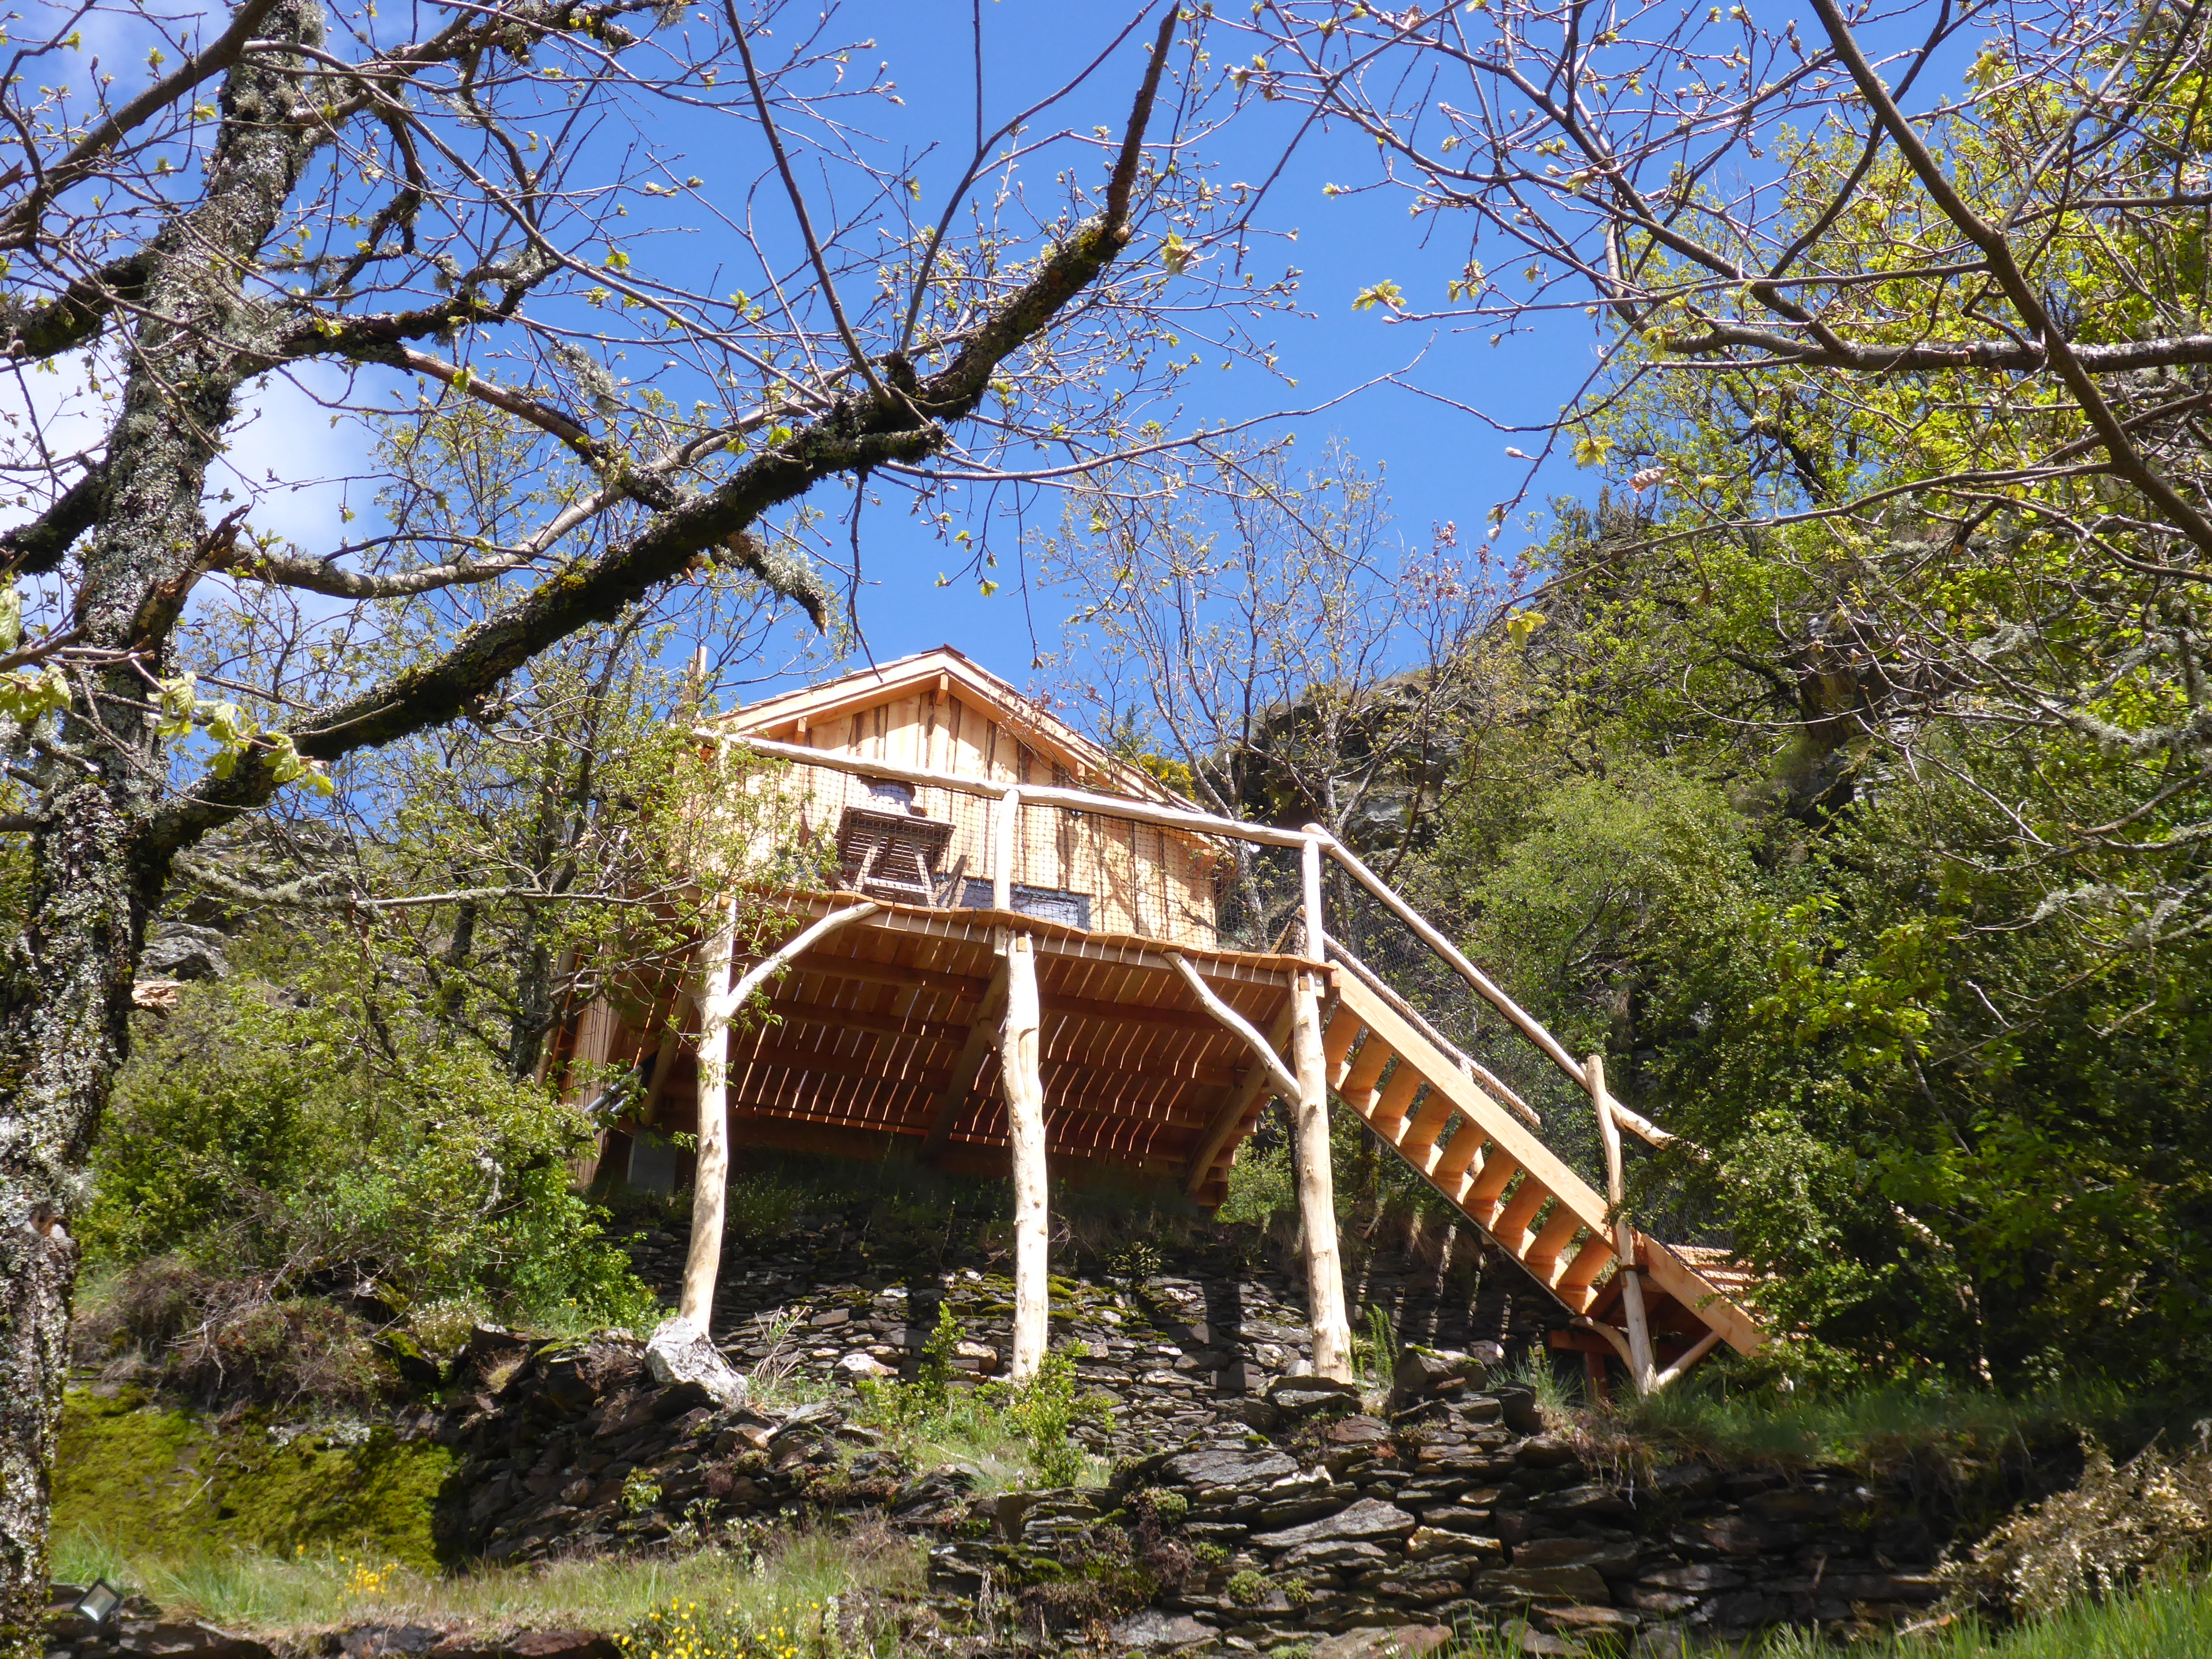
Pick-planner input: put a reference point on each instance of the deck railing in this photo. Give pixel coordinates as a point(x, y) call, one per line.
point(1187, 883)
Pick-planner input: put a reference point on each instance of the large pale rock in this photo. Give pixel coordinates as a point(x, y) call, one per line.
point(679, 1354)
point(1368, 1520)
point(1152, 1629)
point(1398, 1642)
point(1209, 1469)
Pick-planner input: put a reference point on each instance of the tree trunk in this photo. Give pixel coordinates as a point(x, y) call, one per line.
point(65, 986)
point(1332, 1331)
point(710, 1188)
point(1025, 1091)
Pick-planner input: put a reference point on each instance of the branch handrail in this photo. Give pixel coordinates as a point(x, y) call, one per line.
point(1206, 823)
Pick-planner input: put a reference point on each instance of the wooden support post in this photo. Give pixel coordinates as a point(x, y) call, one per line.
point(1642, 1373)
point(982, 1038)
point(1309, 883)
point(1332, 1331)
point(1006, 818)
point(695, 1305)
point(719, 1001)
point(1696, 1351)
point(1023, 1084)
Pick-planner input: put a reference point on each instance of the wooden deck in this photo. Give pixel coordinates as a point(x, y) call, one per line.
point(885, 1033)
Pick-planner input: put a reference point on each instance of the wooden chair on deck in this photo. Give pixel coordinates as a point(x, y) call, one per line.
point(890, 851)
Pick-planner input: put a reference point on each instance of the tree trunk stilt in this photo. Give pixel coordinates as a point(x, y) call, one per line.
point(1332, 1332)
point(1646, 1377)
point(1025, 1089)
point(719, 1002)
point(710, 1190)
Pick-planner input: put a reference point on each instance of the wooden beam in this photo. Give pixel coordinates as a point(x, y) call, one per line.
point(718, 1001)
point(1332, 1331)
point(1642, 1372)
point(1696, 1351)
point(853, 1019)
point(1024, 1092)
point(1081, 800)
point(1253, 1088)
point(703, 1258)
point(884, 973)
point(982, 1038)
point(1278, 1073)
point(825, 1064)
point(1117, 1014)
point(1670, 1273)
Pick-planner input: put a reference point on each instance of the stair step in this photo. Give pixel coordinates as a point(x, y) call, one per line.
point(1388, 1113)
point(1505, 1180)
point(1366, 1069)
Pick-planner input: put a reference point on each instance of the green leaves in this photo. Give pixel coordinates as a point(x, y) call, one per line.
point(26, 696)
point(236, 733)
point(1385, 293)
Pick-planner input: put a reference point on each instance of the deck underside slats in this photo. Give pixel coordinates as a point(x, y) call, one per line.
point(883, 1034)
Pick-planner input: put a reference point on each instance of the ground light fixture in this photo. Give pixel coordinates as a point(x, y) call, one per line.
point(99, 1604)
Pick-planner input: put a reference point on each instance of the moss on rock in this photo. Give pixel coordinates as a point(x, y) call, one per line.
point(143, 1477)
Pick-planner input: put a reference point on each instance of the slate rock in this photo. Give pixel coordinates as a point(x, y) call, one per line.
point(1542, 1584)
point(1583, 1503)
point(679, 1356)
point(1154, 1630)
point(162, 1638)
point(1334, 1555)
point(1369, 1518)
point(1614, 1556)
point(373, 1641)
point(181, 951)
point(1388, 1642)
point(1212, 1469)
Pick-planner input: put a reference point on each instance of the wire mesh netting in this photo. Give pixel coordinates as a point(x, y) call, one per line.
point(1093, 868)
point(1377, 939)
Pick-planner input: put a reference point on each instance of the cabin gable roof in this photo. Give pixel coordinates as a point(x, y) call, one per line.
point(787, 716)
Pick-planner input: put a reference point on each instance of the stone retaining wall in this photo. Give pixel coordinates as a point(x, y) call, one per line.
point(1454, 1506)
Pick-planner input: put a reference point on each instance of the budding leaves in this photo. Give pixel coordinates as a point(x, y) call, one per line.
point(235, 733)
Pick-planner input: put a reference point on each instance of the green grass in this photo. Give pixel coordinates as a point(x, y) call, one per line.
point(759, 1579)
point(2167, 1620)
point(1870, 1428)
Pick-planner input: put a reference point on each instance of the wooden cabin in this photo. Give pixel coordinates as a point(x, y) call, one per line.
point(1013, 957)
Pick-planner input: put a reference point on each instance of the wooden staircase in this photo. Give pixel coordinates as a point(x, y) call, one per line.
point(1428, 1106)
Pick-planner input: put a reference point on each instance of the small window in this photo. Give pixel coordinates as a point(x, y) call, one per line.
point(1057, 904)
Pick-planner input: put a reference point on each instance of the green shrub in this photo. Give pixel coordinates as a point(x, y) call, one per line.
point(1260, 1183)
point(1046, 1407)
point(1246, 1589)
point(302, 1148)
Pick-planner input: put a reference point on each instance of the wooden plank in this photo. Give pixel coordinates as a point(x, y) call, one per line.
point(1453, 1157)
point(1582, 1271)
point(1417, 1140)
point(960, 1087)
point(1520, 1209)
point(1366, 1072)
point(1389, 1110)
point(823, 1063)
point(1543, 1253)
point(1679, 1280)
point(959, 987)
point(855, 1019)
point(1249, 1094)
point(1343, 1031)
point(1499, 1125)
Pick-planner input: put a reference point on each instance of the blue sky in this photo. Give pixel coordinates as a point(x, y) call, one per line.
point(1442, 465)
